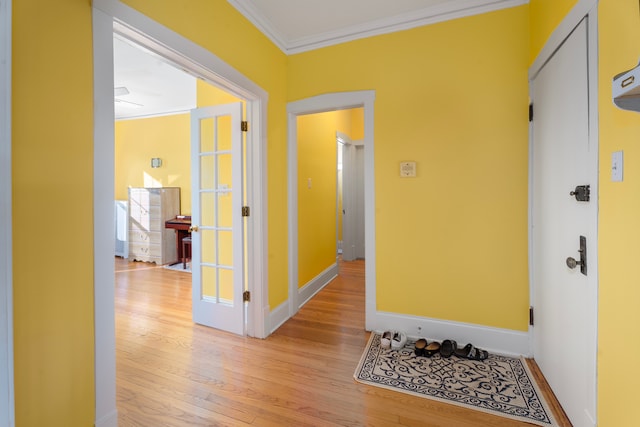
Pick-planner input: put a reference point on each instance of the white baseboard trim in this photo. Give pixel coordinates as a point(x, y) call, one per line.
point(278, 316)
point(109, 420)
point(316, 284)
point(281, 313)
point(495, 340)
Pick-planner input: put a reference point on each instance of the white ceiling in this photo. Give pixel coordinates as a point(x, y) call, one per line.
point(300, 25)
point(156, 87)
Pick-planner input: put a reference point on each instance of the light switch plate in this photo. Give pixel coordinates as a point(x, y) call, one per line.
point(617, 166)
point(407, 169)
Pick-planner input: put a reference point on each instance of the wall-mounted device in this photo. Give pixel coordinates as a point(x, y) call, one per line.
point(156, 162)
point(626, 89)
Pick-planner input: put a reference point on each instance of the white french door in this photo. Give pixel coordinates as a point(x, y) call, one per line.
point(217, 221)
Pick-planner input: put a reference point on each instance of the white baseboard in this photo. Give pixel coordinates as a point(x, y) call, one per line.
point(316, 284)
point(495, 340)
point(109, 420)
point(281, 313)
point(278, 316)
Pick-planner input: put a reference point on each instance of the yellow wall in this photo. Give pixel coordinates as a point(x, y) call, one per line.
point(166, 137)
point(317, 160)
point(140, 140)
point(52, 157)
point(545, 16)
point(459, 110)
point(619, 228)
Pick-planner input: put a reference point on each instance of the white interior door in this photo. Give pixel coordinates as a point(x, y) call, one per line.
point(217, 221)
point(353, 234)
point(564, 298)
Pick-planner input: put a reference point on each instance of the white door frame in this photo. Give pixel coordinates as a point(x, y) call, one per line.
point(110, 16)
point(7, 405)
point(588, 9)
point(320, 104)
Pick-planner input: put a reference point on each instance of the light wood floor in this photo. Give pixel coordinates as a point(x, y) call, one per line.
point(171, 372)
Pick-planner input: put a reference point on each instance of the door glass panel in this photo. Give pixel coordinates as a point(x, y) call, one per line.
point(225, 210)
point(209, 283)
point(207, 133)
point(208, 246)
point(224, 170)
point(207, 205)
point(225, 256)
point(224, 133)
point(226, 286)
point(207, 172)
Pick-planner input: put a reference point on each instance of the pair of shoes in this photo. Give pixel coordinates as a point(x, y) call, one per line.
point(398, 341)
point(448, 347)
point(469, 351)
point(422, 348)
point(393, 339)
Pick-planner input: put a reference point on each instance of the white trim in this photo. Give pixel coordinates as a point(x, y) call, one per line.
point(495, 340)
point(279, 316)
point(104, 220)
point(318, 104)
point(110, 16)
point(7, 400)
point(584, 9)
point(315, 285)
point(562, 31)
point(430, 15)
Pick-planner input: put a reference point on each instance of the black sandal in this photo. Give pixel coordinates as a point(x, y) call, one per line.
point(420, 345)
point(471, 352)
point(448, 347)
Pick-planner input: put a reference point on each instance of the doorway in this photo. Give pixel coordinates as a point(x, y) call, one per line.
point(110, 16)
point(319, 104)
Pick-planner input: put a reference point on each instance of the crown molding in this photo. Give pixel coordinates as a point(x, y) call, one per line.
point(430, 15)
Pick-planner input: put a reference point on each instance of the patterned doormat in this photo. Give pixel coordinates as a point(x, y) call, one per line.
point(499, 385)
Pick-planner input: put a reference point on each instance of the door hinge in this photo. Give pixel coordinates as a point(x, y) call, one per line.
point(531, 316)
point(245, 211)
point(246, 296)
point(244, 126)
point(531, 112)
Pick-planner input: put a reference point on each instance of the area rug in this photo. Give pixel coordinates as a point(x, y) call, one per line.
point(178, 267)
point(499, 385)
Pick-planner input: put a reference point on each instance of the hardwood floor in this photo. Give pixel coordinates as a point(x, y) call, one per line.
point(171, 372)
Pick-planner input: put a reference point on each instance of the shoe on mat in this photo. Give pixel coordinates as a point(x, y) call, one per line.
point(471, 352)
point(432, 349)
point(420, 345)
point(385, 340)
point(448, 347)
point(399, 340)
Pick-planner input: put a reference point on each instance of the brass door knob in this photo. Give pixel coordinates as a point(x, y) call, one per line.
point(193, 229)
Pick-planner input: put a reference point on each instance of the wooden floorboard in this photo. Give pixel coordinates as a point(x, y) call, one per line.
point(172, 372)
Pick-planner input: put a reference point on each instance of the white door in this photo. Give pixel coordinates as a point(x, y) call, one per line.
point(217, 221)
point(352, 200)
point(564, 298)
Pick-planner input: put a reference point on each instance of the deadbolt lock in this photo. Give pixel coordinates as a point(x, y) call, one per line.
point(582, 193)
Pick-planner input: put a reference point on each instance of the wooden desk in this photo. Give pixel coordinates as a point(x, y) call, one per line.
point(181, 225)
